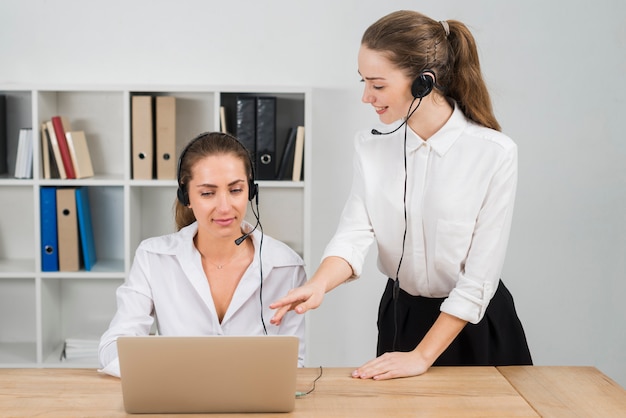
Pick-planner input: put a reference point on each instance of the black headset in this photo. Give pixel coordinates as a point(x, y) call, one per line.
point(183, 194)
point(423, 84)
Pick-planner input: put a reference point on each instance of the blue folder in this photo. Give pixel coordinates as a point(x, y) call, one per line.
point(85, 228)
point(49, 235)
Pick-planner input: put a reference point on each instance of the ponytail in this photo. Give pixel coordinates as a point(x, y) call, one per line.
point(466, 85)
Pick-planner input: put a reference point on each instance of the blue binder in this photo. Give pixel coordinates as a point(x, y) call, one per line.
point(49, 236)
point(85, 228)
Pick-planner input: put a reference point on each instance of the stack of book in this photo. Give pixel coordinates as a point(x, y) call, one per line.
point(64, 152)
point(67, 240)
point(84, 350)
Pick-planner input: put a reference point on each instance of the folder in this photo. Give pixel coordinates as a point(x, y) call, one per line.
point(85, 227)
point(142, 137)
point(77, 143)
point(265, 162)
point(48, 220)
point(245, 126)
point(60, 126)
point(67, 224)
point(165, 137)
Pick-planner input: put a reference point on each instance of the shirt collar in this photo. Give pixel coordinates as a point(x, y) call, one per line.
point(444, 138)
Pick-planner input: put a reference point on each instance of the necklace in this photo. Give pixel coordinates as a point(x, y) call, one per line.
point(221, 266)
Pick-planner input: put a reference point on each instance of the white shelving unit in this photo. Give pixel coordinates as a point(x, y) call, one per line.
point(39, 310)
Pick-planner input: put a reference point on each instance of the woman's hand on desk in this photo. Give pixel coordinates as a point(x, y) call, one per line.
point(393, 365)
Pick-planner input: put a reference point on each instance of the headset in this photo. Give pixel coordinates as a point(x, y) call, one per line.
point(183, 194)
point(253, 194)
point(423, 84)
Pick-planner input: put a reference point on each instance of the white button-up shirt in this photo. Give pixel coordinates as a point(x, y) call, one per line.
point(460, 194)
point(167, 283)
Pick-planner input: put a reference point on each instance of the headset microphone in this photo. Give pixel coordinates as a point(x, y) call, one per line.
point(377, 132)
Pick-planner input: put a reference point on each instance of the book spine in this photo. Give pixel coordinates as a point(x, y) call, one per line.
point(59, 131)
point(4, 165)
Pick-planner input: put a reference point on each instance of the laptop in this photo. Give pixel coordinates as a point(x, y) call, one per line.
point(208, 374)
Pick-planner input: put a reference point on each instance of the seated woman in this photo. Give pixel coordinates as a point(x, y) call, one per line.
point(213, 275)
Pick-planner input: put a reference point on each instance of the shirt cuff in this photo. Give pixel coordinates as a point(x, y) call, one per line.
point(468, 302)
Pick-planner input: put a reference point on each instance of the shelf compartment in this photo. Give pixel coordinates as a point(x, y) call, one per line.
point(18, 321)
point(74, 308)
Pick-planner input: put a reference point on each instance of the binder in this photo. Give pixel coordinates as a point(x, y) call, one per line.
point(67, 225)
point(85, 227)
point(298, 155)
point(77, 143)
point(265, 162)
point(48, 220)
point(142, 137)
point(60, 126)
point(165, 137)
point(245, 126)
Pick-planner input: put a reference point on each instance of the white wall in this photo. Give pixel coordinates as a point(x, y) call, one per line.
point(556, 73)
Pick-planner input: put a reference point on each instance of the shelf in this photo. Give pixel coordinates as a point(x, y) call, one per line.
point(39, 310)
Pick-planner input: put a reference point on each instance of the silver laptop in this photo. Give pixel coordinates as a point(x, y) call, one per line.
point(207, 374)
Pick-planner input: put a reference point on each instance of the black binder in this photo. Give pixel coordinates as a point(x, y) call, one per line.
point(245, 127)
point(265, 157)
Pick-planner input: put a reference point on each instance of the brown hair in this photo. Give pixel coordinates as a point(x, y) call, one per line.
point(205, 145)
point(414, 43)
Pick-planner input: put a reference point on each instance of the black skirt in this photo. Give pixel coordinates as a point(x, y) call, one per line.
point(497, 340)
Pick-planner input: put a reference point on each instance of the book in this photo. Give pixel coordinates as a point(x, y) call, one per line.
point(142, 137)
point(61, 125)
point(24, 155)
point(56, 151)
point(298, 155)
point(165, 133)
point(245, 126)
point(265, 161)
point(79, 150)
point(67, 229)
point(48, 220)
point(45, 153)
point(286, 160)
point(4, 164)
point(223, 126)
point(85, 228)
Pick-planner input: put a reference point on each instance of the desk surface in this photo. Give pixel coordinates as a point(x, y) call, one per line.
point(528, 391)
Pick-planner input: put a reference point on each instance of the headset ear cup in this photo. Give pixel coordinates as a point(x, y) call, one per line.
point(182, 196)
point(253, 189)
point(422, 85)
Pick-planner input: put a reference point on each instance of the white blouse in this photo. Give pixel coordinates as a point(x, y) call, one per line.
point(167, 283)
point(460, 195)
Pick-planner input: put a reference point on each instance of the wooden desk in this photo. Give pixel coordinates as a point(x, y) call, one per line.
point(444, 391)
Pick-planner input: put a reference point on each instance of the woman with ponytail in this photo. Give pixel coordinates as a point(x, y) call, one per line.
point(434, 187)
